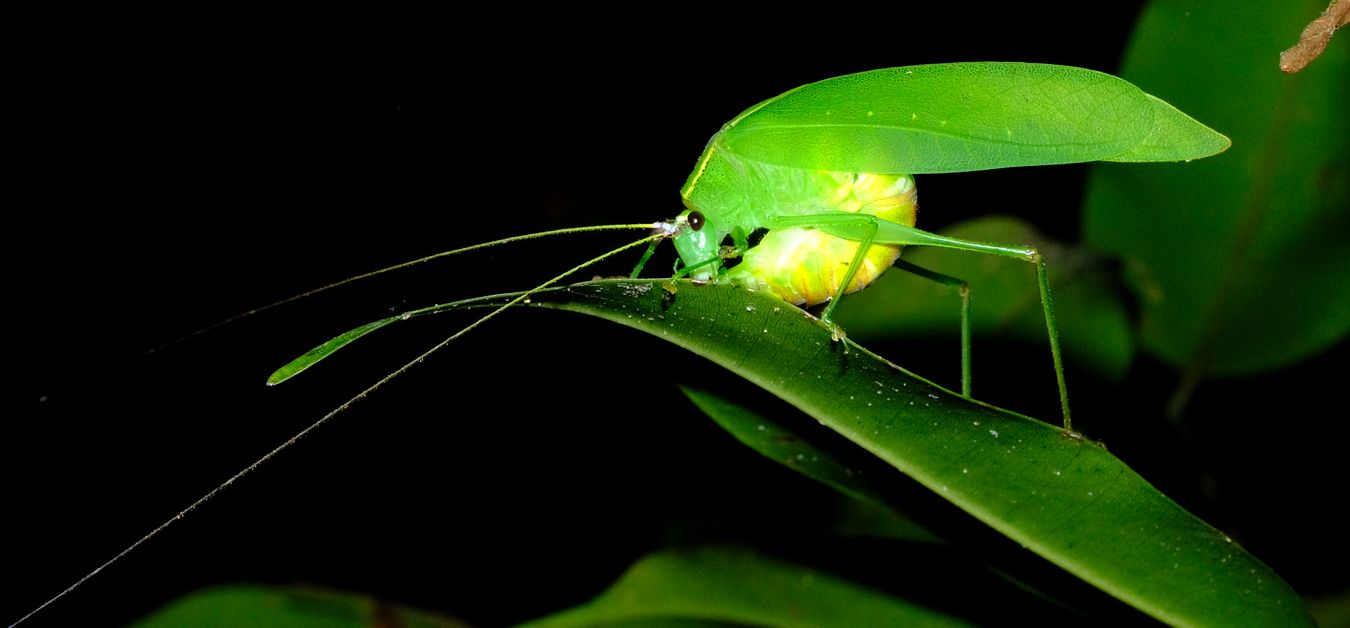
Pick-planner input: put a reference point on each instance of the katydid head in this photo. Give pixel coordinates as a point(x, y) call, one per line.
point(699, 243)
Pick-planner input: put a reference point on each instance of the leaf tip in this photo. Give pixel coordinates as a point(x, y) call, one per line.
point(282, 374)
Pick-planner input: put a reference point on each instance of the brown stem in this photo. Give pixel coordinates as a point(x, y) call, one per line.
point(1315, 37)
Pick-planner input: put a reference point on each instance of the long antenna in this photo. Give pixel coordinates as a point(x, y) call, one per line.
point(420, 260)
point(521, 297)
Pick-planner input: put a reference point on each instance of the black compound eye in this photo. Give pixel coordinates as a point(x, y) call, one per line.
point(756, 235)
point(695, 220)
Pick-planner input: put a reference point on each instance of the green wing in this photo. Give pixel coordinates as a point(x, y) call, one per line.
point(960, 117)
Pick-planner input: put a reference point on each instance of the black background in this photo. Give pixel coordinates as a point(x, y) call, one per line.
point(169, 179)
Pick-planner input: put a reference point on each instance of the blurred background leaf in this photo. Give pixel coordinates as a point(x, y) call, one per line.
point(741, 587)
point(261, 606)
point(1240, 262)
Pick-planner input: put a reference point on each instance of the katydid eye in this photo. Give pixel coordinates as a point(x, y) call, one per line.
point(695, 220)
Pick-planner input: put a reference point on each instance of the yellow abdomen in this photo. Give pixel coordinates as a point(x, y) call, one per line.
point(806, 266)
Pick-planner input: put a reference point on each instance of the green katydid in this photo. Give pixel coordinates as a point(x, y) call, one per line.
point(825, 171)
point(810, 195)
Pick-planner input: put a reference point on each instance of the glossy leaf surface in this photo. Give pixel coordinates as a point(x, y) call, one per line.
point(1065, 498)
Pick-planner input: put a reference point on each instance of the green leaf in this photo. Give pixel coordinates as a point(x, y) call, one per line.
point(732, 585)
point(286, 607)
point(879, 504)
point(1064, 498)
point(958, 117)
point(1240, 262)
point(1095, 329)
